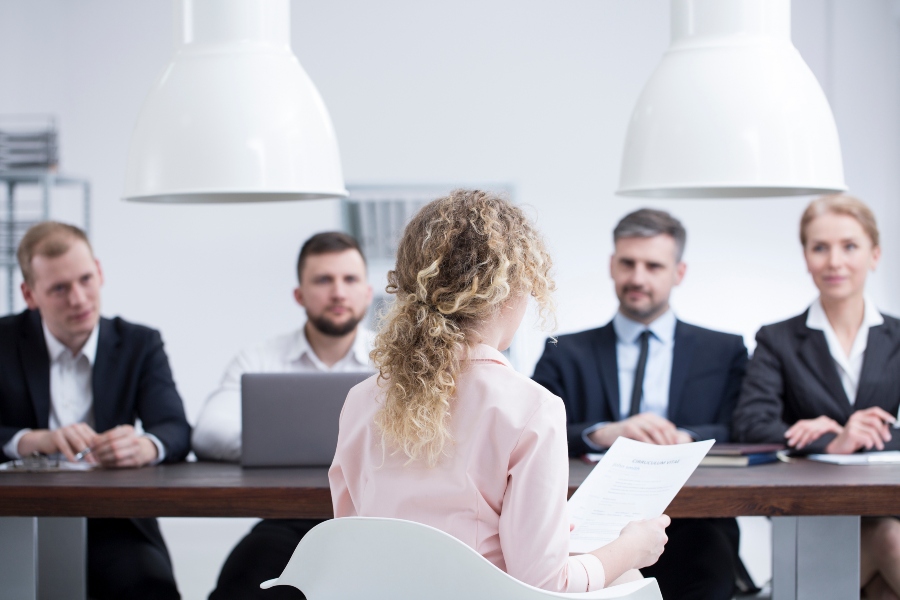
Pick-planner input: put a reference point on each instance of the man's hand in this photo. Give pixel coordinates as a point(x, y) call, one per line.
point(70, 440)
point(806, 431)
point(122, 447)
point(644, 427)
point(868, 428)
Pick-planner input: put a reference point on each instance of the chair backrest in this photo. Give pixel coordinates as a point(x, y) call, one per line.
point(360, 557)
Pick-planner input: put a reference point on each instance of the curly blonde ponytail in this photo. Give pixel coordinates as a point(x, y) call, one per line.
point(460, 259)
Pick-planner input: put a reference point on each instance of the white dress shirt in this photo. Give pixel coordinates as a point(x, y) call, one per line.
point(71, 390)
point(217, 434)
point(848, 367)
point(71, 393)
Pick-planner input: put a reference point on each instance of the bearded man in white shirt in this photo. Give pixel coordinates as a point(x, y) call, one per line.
point(74, 384)
point(333, 289)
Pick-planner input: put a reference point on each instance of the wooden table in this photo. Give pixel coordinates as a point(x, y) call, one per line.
point(819, 506)
point(204, 489)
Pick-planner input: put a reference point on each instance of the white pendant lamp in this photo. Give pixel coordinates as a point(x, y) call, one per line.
point(732, 111)
point(234, 117)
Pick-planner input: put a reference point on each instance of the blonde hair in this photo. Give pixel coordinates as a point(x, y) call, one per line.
point(840, 204)
point(460, 259)
point(48, 239)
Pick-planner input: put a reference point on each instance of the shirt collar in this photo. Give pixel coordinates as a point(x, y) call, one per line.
point(360, 349)
point(56, 348)
point(362, 345)
point(662, 328)
point(817, 319)
point(485, 352)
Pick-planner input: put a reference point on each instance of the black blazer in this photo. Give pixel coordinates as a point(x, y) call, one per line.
point(792, 376)
point(707, 368)
point(131, 379)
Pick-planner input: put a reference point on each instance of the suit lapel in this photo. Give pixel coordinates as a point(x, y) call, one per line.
point(880, 348)
point(36, 365)
point(814, 353)
point(101, 377)
point(605, 348)
point(682, 355)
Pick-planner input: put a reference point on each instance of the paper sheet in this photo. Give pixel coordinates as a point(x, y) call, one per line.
point(51, 466)
point(889, 457)
point(633, 481)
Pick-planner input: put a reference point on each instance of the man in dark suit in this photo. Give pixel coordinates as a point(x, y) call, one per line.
point(74, 384)
point(652, 378)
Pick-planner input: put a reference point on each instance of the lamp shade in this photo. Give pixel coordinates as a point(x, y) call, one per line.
point(731, 111)
point(233, 117)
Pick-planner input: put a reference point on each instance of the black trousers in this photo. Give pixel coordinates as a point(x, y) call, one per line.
point(127, 558)
point(262, 555)
point(700, 561)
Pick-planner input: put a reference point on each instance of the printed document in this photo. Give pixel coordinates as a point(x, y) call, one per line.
point(887, 457)
point(633, 481)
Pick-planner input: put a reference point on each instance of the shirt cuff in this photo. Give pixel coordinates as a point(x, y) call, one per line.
point(11, 448)
point(585, 436)
point(160, 449)
point(596, 575)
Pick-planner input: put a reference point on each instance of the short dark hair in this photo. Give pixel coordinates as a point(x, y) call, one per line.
point(326, 243)
point(647, 222)
point(48, 239)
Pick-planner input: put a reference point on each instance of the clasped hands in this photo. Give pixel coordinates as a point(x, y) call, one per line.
point(867, 429)
point(120, 446)
point(643, 427)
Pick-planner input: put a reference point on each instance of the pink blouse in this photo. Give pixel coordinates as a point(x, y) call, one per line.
point(501, 490)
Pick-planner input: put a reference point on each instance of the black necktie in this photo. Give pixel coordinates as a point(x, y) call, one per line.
point(638, 390)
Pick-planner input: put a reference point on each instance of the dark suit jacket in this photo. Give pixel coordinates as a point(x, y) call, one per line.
point(131, 379)
point(707, 368)
point(792, 376)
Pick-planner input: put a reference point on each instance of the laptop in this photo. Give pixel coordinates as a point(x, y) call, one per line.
point(291, 419)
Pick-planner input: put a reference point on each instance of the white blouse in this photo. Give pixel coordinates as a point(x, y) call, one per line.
point(848, 367)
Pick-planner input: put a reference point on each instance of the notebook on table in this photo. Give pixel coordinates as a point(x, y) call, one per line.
point(291, 419)
point(741, 455)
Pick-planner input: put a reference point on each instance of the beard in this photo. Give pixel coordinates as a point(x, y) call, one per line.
point(653, 309)
point(326, 326)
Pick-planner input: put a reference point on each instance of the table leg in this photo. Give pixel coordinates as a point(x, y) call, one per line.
point(43, 558)
point(18, 557)
point(815, 557)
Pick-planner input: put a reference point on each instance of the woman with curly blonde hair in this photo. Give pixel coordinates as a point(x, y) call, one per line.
point(447, 433)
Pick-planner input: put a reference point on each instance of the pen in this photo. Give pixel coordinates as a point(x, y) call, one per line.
point(80, 456)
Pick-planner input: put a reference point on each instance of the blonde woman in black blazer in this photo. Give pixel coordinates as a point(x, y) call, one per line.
point(828, 380)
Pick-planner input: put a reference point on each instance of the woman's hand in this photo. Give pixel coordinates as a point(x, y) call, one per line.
point(639, 545)
point(868, 428)
point(806, 431)
point(647, 540)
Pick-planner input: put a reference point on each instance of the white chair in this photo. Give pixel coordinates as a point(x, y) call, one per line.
point(391, 559)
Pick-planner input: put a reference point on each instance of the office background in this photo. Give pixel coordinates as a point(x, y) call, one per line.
point(532, 94)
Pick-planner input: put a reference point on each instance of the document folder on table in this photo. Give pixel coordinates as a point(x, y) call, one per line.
point(741, 455)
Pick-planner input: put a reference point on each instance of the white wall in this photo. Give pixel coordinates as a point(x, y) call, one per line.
point(534, 93)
